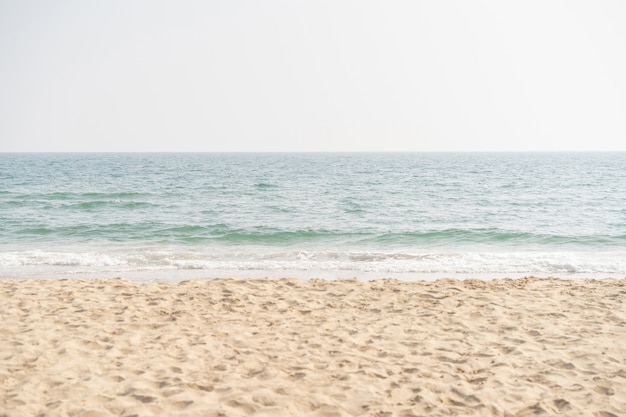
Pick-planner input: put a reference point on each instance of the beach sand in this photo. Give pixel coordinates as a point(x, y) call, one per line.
point(287, 347)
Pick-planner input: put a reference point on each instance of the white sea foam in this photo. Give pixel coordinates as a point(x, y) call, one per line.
point(324, 263)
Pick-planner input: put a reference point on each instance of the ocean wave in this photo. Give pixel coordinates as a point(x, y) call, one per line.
point(356, 262)
point(73, 196)
point(452, 236)
point(264, 185)
point(221, 233)
point(106, 204)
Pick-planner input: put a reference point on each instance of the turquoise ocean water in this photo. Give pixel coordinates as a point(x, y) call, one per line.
point(409, 216)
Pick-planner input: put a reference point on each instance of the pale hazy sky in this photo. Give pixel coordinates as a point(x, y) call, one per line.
point(300, 75)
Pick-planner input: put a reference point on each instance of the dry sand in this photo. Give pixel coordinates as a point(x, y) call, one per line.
point(319, 348)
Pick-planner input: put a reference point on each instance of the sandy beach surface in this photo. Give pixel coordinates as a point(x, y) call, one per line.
point(234, 347)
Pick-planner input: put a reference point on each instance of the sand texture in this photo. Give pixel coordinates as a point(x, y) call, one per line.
point(319, 348)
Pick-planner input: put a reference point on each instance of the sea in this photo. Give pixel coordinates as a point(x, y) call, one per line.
point(410, 216)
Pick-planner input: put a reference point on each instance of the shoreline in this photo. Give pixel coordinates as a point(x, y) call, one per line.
point(174, 276)
point(176, 263)
point(346, 347)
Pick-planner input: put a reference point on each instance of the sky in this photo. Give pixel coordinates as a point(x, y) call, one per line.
point(300, 75)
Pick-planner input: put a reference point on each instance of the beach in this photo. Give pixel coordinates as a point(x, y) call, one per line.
point(289, 347)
